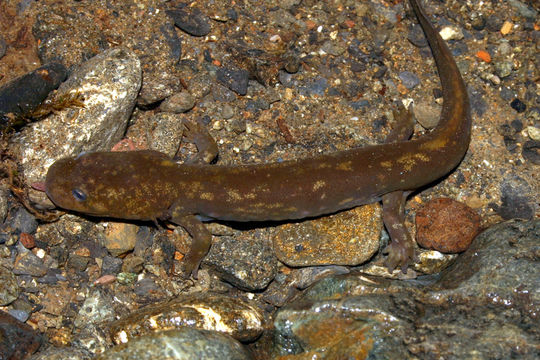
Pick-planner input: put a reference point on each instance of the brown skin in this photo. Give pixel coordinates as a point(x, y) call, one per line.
point(146, 185)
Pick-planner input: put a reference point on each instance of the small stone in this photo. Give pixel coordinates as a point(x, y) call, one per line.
point(178, 103)
point(27, 240)
point(518, 105)
point(133, 264)
point(17, 340)
point(3, 47)
point(346, 238)
point(409, 79)
point(531, 151)
point(451, 33)
point(111, 265)
point(184, 343)
point(193, 22)
point(232, 316)
point(9, 289)
point(77, 262)
point(446, 225)
point(29, 264)
point(235, 79)
point(120, 237)
point(246, 261)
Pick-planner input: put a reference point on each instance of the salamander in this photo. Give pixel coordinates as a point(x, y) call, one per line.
point(147, 185)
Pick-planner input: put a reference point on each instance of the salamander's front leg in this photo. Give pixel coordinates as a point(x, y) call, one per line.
point(401, 248)
point(206, 145)
point(202, 239)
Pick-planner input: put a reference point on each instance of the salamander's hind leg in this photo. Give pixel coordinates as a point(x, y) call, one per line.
point(401, 248)
point(206, 145)
point(202, 239)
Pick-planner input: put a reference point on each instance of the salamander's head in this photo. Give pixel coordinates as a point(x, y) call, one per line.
point(127, 185)
point(70, 184)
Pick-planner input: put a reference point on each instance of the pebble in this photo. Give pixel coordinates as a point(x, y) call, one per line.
point(427, 114)
point(3, 47)
point(17, 340)
point(29, 264)
point(111, 265)
point(193, 22)
point(235, 79)
point(119, 237)
point(178, 103)
point(518, 105)
point(531, 151)
point(180, 344)
point(446, 225)
point(346, 238)
point(247, 261)
point(233, 316)
point(409, 79)
point(517, 198)
point(165, 132)
point(96, 308)
point(9, 289)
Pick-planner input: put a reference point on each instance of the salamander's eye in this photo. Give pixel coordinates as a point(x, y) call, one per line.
point(78, 194)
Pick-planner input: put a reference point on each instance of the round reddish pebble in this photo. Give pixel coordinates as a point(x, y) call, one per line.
point(446, 225)
point(27, 240)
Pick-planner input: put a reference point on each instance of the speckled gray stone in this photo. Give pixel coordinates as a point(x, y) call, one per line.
point(181, 344)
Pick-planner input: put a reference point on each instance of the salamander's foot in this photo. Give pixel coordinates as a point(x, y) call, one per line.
point(399, 255)
point(206, 145)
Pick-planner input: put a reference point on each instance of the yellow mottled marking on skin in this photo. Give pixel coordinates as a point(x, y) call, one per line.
point(251, 195)
point(323, 196)
point(434, 144)
point(318, 184)
point(235, 195)
point(166, 162)
point(207, 196)
point(386, 164)
point(345, 166)
point(323, 165)
point(408, 161)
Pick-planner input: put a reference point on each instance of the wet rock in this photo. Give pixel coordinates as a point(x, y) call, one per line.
point(235, 79)
point(446, 225)
point(17, 340)
point(9, 289)
point(347, 238)
point(193, 21)
point(232, 316)
point(109, 84)
point(246, 261)
point(181, 344)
